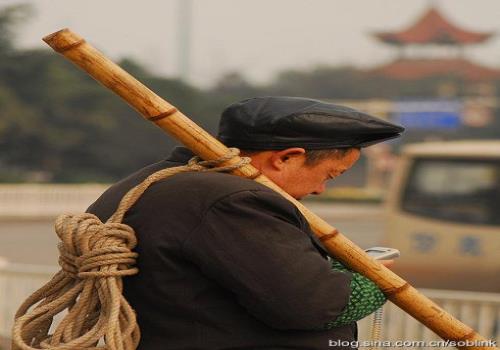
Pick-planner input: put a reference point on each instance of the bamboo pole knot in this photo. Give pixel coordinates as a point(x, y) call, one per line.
point(86, 294)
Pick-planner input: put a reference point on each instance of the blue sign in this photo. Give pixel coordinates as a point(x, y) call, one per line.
point(470, 245)
point(429, 114)
point(423, 242)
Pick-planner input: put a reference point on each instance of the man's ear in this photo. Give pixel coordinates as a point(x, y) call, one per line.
point(281, 158)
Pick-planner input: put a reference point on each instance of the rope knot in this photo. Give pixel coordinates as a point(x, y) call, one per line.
point(90, 249)
point(197, 164)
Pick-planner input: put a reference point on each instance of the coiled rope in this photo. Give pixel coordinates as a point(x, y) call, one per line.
point(94, 256)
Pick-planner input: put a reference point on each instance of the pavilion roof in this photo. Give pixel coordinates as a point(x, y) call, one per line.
point(433, 28)
point(411, 69)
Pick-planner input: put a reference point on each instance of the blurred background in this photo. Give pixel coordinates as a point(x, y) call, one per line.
point(432, 66)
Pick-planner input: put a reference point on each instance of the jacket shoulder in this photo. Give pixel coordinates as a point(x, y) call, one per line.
point(209, 187)
point(222, 183)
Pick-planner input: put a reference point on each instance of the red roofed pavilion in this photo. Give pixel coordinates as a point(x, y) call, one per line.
point(434, 30)
point(412, 69)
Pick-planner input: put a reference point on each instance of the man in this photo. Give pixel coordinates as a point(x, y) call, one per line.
point(227, 263)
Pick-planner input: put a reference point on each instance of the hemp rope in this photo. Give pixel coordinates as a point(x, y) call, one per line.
point(94, 256)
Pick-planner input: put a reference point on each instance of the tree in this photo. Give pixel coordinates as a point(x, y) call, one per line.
point(10, 16)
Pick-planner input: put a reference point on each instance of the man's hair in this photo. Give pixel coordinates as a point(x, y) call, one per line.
point(313, 156)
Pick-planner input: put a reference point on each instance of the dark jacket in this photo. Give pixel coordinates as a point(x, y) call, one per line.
point(226, 263)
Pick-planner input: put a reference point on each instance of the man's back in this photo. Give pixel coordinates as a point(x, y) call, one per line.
point(225, 263)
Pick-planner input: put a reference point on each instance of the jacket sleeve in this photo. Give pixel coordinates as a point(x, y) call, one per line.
point(251, 243)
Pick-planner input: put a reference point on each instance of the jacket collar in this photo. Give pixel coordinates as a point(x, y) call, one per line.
point(180, 155)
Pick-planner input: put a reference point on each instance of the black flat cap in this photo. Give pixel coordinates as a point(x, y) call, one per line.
point(278, 122)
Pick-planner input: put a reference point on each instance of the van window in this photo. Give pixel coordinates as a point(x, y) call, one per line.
point(458, 190)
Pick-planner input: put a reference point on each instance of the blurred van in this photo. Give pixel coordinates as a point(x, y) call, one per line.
point(444, 215)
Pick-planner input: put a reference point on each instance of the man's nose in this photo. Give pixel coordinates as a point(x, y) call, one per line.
point(320, 189)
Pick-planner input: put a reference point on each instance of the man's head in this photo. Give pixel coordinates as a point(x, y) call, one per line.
point(299, 172)
point(276, 132)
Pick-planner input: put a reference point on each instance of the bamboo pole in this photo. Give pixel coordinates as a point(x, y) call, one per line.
point(167, 117)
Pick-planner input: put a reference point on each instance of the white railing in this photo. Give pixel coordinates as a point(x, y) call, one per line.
point(481, 311)
point(17, 282)
point(46, 200)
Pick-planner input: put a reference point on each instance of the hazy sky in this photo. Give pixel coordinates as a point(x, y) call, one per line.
point(256, 38)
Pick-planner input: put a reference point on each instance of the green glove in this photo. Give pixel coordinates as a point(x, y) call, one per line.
point(364, 299)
